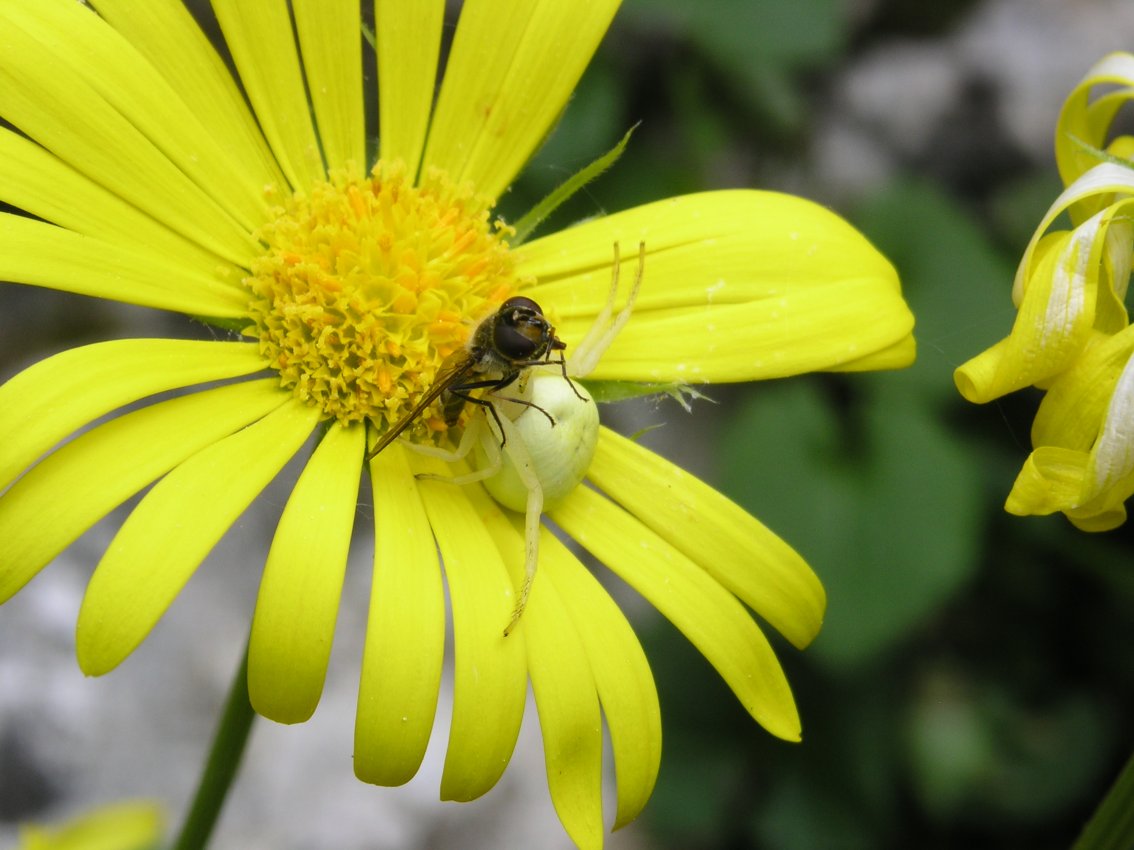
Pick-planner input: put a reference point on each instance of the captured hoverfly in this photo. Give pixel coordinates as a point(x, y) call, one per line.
point(504, 344)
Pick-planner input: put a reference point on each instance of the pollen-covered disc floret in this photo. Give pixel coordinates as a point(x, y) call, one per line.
point(367, 285)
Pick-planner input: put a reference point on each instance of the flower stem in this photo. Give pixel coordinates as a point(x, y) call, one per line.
point(1111, 827)
point(224, 759)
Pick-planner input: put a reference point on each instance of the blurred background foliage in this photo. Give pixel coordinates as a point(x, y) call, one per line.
point(973, 685)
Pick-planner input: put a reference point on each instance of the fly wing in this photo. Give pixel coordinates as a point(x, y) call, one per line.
point(455, 367)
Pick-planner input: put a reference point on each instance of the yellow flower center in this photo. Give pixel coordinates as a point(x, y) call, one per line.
point(367, 285)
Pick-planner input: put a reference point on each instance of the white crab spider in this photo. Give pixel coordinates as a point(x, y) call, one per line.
point(549, 436)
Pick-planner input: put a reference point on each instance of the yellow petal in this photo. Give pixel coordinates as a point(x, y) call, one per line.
point(738, 285)
point(1056, 479)
point(409, 42)
point(1066, 293)
point(70, 490)
point(173, 529)
point(41, 254)
point(294, 623)
point(569, 716)
point(1110, 472)
point(72, 38)
point(705, 612)
point(1083, 464)
point(1087, 120)
point(897, 356)
point(1075, 404)
point(53, 398)
point(489, 678)
point(405, 630)
point(562, 681)
point(511, 69)
point(259, 35)
point(621, 671)
point(330, 37)
point(1031, 352)
point(165, 33)
point(38, 182)
point(1096, 190)
point(715, 533)
point(54, 103)
point(1051, 480)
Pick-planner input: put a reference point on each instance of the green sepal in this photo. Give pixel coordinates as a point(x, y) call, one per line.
point(561, 193)
point(605, 392)
point(1098, 153)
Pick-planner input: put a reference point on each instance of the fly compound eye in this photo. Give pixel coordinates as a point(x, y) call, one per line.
point(522, 304)
point(521, 332)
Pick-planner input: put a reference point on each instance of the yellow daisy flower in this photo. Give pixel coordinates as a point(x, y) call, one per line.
point(134, 825)
point(153, 181)
point(1071, 334)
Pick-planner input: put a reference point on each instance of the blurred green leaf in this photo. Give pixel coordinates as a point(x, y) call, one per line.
point(592, 118)
point(799, 816)
point(891, 526)
point(1018, 206)
point(978, 753)
point(757, 47)
point(958, 285)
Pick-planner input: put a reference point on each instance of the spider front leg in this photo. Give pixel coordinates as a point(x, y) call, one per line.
point(607, 325)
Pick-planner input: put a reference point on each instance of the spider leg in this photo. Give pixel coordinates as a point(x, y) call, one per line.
point(475, 430)
point(462, 391)
point(604, 330)
point(521, 459)
point(562, 364)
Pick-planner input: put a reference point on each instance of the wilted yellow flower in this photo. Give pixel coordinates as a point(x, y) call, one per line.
point(1071, 333)
point(1083, 463)
point(350, 280)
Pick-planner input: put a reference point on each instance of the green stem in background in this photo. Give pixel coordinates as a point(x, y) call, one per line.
point(1111, 827)
point(224, 760)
